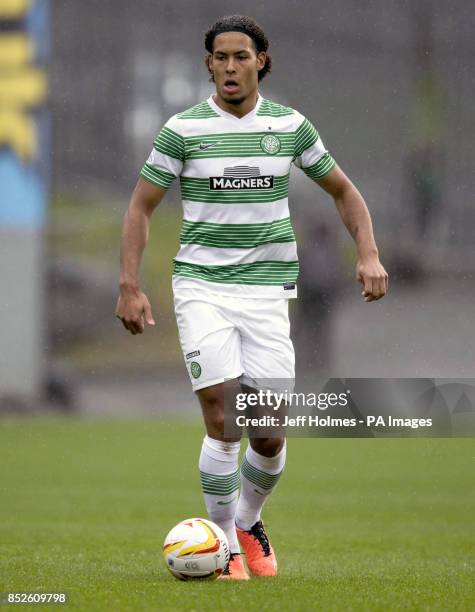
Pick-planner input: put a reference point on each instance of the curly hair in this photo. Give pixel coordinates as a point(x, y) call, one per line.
point(246, 25)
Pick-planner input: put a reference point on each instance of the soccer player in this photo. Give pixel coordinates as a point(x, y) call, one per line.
point(237, 264)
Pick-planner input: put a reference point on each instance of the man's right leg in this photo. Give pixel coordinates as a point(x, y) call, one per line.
point(211, 347)
point(219, 471)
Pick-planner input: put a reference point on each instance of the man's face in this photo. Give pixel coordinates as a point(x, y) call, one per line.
point(235, 64)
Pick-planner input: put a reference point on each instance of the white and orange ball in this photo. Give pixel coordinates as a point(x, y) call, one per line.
point(196, 549)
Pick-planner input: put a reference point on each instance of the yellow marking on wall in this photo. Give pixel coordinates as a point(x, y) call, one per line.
point(14, 9)
point(24, 87)
point(15, 49)
point(18, 131)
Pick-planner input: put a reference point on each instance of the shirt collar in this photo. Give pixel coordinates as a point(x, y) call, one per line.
point(250, 115)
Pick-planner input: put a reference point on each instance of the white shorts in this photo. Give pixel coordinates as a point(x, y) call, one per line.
point(224, 337)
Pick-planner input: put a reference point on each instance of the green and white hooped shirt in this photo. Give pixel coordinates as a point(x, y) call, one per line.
point(236, 238)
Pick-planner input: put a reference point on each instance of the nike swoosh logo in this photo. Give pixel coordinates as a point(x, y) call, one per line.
point(204, 146)
point(256, 491)
point(221, 503)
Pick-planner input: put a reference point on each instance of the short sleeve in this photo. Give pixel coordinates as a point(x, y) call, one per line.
point(310, 153)
point(165, 162)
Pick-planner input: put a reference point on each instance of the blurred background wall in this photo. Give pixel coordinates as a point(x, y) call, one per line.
point(389, 85)
point(25, 173)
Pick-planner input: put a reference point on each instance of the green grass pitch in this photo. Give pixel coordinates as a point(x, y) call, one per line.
point(356, 524)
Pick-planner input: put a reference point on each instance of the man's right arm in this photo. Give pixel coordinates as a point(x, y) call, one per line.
point(133, 307)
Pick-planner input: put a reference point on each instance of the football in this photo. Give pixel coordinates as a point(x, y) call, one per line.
point(196, 549)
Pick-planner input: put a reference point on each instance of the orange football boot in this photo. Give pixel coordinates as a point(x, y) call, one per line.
point(260, 556)
point(235, 569)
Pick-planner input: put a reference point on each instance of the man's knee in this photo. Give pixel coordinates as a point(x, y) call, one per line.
point(212, 400)
point(267, 447)
point(212, 405)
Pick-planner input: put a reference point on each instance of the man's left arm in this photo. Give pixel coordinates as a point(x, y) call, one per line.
point(355, 215)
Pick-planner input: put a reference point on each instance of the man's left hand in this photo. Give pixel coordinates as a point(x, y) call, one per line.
point(374, 278)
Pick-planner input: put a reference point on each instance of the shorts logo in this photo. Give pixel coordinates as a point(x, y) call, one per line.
point(270, 144)
point(193, 354)
point(195, 369)
point(240, 177)
point(288, 286)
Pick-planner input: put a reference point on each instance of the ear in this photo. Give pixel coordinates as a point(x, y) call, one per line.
point(261, 60)
point(209, 62)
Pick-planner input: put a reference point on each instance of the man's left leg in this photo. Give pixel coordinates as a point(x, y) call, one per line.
point(269, 362)
point(261, 469)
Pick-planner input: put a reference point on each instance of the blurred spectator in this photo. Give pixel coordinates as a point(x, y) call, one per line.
point(425, 157)
point(319, 283)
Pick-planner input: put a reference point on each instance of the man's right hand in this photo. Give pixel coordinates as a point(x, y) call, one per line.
point(134, 309)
